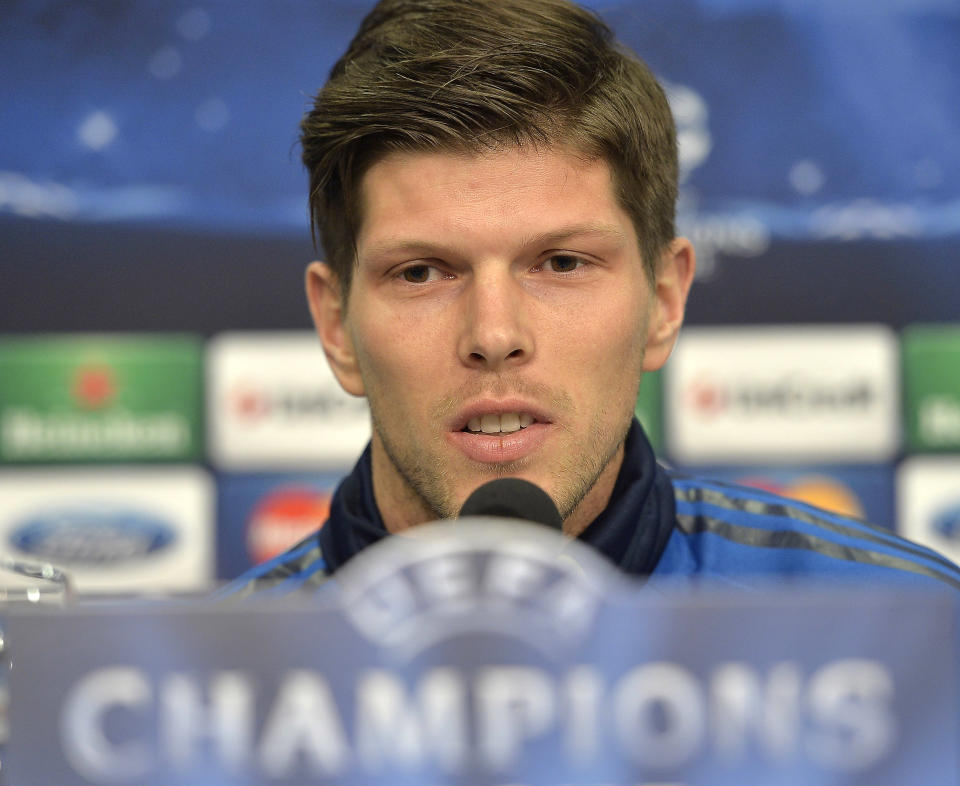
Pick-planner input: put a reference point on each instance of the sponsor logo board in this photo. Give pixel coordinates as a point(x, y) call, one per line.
point(260, 516)
point(928, 502)
point(273, 402)
point(100, 398)
point(931, 378)
point(863, 492)
point(783, 393)
point(112, 530)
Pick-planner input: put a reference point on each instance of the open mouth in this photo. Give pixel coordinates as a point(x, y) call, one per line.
point(503, 423)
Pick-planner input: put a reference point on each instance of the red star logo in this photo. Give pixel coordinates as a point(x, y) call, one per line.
point(94, 386)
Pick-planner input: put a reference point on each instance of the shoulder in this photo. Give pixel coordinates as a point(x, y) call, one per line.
point(300, 567)
point(723, 528)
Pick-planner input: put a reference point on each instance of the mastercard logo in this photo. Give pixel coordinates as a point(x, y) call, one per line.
point(817, 490)
point(284, 517)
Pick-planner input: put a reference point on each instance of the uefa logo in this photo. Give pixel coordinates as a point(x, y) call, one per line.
point(523, 584)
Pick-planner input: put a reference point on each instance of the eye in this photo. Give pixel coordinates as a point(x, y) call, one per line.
point(564, 263)
point(420, 274)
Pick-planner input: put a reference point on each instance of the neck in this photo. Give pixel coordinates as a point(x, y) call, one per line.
point(596, 499)
point(401, 507)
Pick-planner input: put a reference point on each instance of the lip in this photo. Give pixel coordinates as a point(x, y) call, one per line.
point(490, 448)
point(476, 409)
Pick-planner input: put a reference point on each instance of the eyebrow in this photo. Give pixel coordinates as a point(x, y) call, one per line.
point(590, 229)
point(552, 237)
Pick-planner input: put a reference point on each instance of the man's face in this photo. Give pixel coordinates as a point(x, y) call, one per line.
point(497, 322)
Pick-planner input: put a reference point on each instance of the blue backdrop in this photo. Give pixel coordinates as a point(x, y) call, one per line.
point(156, 142)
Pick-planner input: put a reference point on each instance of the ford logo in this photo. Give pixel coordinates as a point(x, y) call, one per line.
point(947, 523)
point(92, 536)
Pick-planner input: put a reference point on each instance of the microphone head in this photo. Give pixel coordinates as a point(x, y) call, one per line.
point(513, 498)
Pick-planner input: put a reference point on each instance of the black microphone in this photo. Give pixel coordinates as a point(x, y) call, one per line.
point(513, 498)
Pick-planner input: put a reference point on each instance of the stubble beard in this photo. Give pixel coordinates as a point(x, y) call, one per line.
point(573, 475)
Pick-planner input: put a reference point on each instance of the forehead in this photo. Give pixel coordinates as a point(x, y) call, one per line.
point(506, 193)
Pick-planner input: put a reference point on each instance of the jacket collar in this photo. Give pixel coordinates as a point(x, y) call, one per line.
point(631, 532)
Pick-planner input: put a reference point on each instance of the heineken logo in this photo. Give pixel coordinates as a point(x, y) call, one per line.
point(931, 367)
point(939, 420)
point(80, 398)
point(94, 387)
point(28, 434)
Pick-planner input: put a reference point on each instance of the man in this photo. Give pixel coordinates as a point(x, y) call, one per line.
point(493, 183)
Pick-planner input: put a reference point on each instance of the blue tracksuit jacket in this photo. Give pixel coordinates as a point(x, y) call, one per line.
point(658, 524)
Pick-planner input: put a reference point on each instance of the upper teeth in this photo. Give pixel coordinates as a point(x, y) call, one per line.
point(495, 424)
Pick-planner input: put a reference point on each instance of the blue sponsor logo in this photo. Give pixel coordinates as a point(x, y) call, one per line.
point(92, 536)
point(947, 523)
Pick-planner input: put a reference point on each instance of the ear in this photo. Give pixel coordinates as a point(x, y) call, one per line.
point(328, 309)
point(674, 277)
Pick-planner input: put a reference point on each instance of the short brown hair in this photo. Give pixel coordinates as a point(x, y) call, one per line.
point(473, 75)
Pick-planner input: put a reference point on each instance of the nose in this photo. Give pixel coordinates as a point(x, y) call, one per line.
point(496, 334)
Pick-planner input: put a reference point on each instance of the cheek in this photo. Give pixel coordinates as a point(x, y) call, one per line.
point(395, 356)
point(612, 356)
point(615, 332)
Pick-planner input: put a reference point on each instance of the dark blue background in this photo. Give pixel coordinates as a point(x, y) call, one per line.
point(150, 176)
